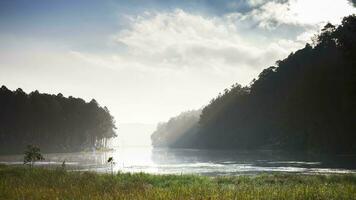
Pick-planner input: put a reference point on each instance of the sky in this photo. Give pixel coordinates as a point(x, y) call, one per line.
point(149, 60)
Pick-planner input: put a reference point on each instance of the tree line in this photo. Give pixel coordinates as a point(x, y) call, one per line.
point(176, 132)
point(307, 102)
point(52, 122)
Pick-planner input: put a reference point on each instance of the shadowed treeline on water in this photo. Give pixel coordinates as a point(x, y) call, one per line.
point(307, 102)
point(52, 122)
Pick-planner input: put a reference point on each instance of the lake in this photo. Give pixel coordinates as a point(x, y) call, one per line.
point(190, 161)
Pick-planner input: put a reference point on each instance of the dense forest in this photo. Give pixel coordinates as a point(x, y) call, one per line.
point(177, 129)
point(52, 122)
point(307, 102)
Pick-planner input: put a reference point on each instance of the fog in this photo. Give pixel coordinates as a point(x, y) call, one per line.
point(134, 135)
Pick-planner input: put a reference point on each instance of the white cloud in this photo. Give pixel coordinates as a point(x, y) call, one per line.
point(317, 11)
point(270, 15)
point(307, 13)
point(180, 40)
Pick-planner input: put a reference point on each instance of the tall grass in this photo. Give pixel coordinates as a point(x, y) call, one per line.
point(36, 183)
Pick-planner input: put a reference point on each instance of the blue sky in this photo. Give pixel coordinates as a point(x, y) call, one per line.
point(148, 60)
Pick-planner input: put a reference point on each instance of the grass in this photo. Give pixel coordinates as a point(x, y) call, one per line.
point(36, 183)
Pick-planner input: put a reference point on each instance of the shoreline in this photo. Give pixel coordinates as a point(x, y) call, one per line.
point(39, 183)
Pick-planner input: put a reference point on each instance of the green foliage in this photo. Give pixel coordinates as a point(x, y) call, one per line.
point(21, 183)
point(32, 154)
point(54, 122)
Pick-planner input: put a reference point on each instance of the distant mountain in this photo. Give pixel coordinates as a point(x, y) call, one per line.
point(307, 102)
point(52, 122)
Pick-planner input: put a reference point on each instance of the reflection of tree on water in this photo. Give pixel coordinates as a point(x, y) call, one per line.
point(164, 156)
point(249, 160)
point(208, 162)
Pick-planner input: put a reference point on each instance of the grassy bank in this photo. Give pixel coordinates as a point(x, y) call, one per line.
point(36, 183)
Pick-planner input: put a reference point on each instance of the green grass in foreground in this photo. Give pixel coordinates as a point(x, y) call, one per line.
point(36, 183)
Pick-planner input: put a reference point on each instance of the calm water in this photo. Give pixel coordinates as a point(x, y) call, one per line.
point(205, 162)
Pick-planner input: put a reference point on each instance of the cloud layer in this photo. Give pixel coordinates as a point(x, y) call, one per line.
point(180, 40)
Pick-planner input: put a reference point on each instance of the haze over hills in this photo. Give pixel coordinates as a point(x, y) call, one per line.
point(307, 102)
point(177, 129)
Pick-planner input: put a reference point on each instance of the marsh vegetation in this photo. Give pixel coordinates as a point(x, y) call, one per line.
point(37, 183)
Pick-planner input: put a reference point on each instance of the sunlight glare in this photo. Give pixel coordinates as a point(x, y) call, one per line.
point(316, 11)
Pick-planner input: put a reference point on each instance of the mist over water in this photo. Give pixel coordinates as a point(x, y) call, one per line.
point(203, 162)
point(133, 152)
point(134, 135)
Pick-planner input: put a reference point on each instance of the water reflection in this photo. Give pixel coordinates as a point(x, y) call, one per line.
point(190, 161)
point(214, 162)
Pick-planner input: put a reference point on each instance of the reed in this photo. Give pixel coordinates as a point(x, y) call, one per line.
point(37, 183)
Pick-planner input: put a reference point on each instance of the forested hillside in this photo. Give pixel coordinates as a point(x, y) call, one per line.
point(307, 102)
point(178, 131)
point(52, 122)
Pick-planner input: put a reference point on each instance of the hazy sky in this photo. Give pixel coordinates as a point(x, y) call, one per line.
point(148, 60)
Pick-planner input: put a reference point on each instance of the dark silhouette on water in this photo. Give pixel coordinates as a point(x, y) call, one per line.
point(307, 102)
point(53, 122)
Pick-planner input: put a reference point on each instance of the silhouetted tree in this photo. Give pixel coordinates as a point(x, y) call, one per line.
point(32, 154)
point(112, 163)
